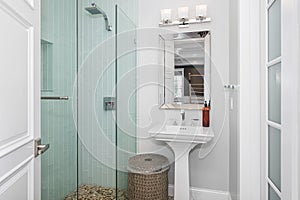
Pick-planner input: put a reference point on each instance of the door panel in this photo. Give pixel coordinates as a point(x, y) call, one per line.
point(14, 160)
point(15, 77)
point(19, 186)
point(19, 63)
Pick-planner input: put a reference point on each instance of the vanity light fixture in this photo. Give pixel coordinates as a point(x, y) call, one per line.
point(183, 17)
point(166, 16)
point(201, 12)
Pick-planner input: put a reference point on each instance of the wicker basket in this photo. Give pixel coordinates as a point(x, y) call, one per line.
point(148, 177)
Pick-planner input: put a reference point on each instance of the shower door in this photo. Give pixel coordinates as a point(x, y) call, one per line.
point(106, 100)
point(58, 104)
point(126, 92)
point(96, 102)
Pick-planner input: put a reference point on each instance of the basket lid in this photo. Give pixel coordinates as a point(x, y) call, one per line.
point(148, 164)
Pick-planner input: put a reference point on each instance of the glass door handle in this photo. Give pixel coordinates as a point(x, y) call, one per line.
point(40, 148)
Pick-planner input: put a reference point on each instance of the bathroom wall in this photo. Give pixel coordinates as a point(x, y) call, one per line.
point(234, 99)
point(97, 78)
point(298, 98)
point(298, 116)
point(209, 168)
point(59, 68)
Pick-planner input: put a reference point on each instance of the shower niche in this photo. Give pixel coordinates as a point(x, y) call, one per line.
point(47, 66)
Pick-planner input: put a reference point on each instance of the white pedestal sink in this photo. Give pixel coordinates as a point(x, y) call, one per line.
point(182, 139)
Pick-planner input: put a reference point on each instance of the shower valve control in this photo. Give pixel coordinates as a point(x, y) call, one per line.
point(109, 103)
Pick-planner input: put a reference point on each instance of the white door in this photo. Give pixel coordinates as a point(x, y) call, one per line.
point(19, 99)
point(271, 121)
point(269, 74)
point(279, 100)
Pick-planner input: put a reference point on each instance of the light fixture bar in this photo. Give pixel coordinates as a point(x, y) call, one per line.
point(183, 20)
point(179, 23)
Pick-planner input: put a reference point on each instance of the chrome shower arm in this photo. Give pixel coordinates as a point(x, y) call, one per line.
point(108, 26)
point(95, 10)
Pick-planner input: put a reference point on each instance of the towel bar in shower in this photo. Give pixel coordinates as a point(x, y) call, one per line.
point(55, 98)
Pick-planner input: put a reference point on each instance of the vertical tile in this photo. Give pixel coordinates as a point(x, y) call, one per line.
point(58, 164)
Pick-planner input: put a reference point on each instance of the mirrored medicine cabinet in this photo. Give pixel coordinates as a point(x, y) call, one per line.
point(187, 70)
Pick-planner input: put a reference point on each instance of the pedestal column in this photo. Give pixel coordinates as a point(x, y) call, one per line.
point(182, 177)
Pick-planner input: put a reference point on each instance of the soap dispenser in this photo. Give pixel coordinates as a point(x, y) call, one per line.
point(205, 114)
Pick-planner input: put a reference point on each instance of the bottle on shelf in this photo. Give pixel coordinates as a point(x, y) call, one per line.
point(205, 114)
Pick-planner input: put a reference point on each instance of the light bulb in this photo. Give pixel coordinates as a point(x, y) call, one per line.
point(183, 12)
point(166, 15)
point(201, 12)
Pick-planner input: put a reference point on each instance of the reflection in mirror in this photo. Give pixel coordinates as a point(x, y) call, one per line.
point(186, 70)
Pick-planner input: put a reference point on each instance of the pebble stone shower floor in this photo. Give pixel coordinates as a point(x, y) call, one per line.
point(93, 192)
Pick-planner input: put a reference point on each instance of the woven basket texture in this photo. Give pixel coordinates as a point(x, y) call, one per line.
point(148, 186)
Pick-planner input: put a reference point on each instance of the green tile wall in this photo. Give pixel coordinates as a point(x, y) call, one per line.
point(59, 164)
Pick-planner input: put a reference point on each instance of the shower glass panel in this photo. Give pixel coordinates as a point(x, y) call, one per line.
point(126, 94)
point(59, 71)
point(96, 84)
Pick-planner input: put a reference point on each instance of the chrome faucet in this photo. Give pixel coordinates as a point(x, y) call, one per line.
point(182, 113)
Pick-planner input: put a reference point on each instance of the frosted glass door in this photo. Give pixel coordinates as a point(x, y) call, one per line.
point(274, 30)
point(273, 118)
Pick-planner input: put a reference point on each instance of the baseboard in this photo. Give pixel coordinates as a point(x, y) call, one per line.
point(204, 194)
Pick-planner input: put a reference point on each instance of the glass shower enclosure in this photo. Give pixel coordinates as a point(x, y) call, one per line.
point(88, 98)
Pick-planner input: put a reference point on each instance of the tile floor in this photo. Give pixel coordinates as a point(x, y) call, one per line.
point(93, 192)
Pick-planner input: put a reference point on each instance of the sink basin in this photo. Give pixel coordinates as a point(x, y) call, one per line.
point(182, 139)
point(188, 134)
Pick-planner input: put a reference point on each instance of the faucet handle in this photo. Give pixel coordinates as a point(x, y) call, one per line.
point(172, 122)
point(182, 113)
point(196, 122)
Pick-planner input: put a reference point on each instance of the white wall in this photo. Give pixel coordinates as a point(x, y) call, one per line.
point(298, 99)
point(212, 172)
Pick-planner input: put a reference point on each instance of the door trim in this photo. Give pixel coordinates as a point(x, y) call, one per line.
point(290, 101)
point(249, 119)
point(37, 98)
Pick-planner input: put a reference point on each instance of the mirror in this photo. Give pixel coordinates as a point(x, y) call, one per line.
point(186, 79)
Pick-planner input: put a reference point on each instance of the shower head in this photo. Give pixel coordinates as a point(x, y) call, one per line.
point(95, 10)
